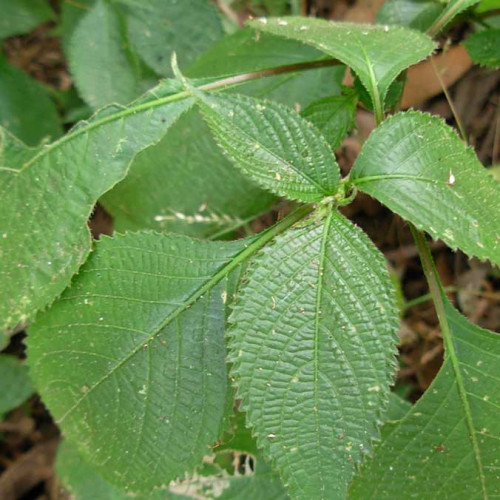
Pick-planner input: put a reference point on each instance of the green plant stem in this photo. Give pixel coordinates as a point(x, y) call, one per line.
point(437, 293)
point(378, 112)
point(444, 19)
point(435, 287)
point(424, 298)
point(459, 122)
point(216, 85)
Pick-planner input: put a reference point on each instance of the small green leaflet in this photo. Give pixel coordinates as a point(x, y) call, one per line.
point(484, 47)
point(15, 384)
point(26, 109)
point(158, 27)
point(131, 360)
point(50, 193)
point(184, 184)
point(418, 167)
point(102, 27)
point(246, 51)
point(377, 54)
point(21, 16)
point(312, 344)
point(453, 9)
point(447, 445)
point(273, 145)
point(333, 116)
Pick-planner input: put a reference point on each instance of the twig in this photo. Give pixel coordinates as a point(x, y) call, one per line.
point(460, 125)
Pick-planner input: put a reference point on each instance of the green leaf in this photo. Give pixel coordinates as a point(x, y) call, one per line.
point(131, 361)
point(156, 28)
point(273, 145)
point(486, 5)
point(398, 407)
point(333, 116)
point(246, 51)
point(234, 471)
point(418, 167)
point(26, 109)
point(49, 193)
point(82, 481)
point(447, 445)
point(271, 7)
point(71, 15)
point(21, 16)
point(185, 185)
point(484, 47)
point(452, 10)
point(377, 54)
point(102, 67)
point(313, 342)
point(244, 473)
point(417, 14)
point(15, 384)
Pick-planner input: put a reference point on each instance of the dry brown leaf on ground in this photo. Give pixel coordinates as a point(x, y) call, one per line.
point(423, 82)
point(29, 470)
point(364, 11)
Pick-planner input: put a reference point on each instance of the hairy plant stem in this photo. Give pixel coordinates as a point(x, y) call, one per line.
point(278, 70)
point(215, 85)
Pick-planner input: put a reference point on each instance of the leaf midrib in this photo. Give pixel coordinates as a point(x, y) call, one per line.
point(319, 296)
point(223, 271)
point(439, 302)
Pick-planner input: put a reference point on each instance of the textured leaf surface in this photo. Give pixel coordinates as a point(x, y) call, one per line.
point(15, 384)
point(156, 28)
point(398, 407)
point(333, 116)
point(50, 192)
point(101, 64)
point(484, 47)
point(447, 445)
point(26, 109)
point(312, 341)
point(185, 185)
point(235, 471)
point(21, 16)
point(131, 361)
point(244, 473)
point(417, 166)
point(377, 54)
point(82, 481)
point(246, 51)
point(273, 145)
point(417, 14)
